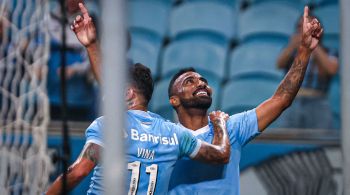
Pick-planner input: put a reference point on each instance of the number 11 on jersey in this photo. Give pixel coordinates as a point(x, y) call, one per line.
point(135, 175)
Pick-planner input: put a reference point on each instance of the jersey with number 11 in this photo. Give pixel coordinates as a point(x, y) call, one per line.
point(153, 145)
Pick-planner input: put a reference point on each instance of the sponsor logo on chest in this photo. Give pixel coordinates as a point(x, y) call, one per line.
point(156, 139)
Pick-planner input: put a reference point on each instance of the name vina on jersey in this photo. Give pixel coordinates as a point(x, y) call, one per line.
point(145, 137)
point(145, 153)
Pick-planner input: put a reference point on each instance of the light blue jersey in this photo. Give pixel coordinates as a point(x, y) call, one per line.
point(192, 177)
point(153, 145)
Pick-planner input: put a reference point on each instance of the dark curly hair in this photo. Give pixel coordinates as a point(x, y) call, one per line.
point(177, 75)
point(140, 77)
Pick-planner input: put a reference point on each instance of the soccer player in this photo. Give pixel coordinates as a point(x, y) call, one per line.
point(153, 144)
point(190, 96)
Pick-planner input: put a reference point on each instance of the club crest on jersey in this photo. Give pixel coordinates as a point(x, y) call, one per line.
point(145, 137)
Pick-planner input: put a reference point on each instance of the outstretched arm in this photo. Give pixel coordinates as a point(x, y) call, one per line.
point(219, 151)
point(269, 110)
point(85, 31)
point(87, 160)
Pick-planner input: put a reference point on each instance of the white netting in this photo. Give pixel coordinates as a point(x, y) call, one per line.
point(24, 162)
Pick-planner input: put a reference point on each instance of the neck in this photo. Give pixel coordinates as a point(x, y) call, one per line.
point(138, 107)
point(135, 104)
point(193, 118)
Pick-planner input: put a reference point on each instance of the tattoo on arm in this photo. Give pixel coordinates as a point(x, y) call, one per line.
point(219, 151)
point(290, 85)
point(220, 131)
point(91, 152)
point(87, 160)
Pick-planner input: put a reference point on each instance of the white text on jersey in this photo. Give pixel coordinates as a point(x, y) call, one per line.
point(145, 153)
point(144, 137)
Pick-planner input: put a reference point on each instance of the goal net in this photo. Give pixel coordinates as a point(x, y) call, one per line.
point(24, 162)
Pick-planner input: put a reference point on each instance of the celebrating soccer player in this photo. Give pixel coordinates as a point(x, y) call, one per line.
point(153, 145)
point(191, 107)
point(190, 95)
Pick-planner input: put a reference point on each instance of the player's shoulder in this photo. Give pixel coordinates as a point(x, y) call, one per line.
point(241, 116)
point(164, 123)
point(96, 125)
point(157, 116)
point(98, 121)
point(143, 114)
point(147, 115)
point(235, 121)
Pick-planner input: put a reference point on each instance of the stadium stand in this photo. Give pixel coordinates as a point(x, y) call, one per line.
point(255, 57)
point(160, 101)
point(334, 98)
point(206, 57)
point(295, 3)
point(329, 16)
point(149, 15)
point(81, 92)
point(206, 17)
point(231, 3)
point(145, 49)
point(148, 26)
point(246, 93)
point(237, 94)
point(321, 2)
point(270, 18)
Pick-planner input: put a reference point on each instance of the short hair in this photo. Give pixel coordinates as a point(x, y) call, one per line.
point(140, 77)
point(177, 75)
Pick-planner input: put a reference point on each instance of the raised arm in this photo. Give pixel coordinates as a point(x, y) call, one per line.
point(219, 151)
point(85, 31)
point(87, 160)
point(269, 110)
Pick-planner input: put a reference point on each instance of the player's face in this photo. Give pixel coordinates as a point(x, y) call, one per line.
point(193, 91)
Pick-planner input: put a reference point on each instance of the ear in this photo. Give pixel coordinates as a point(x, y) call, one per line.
point(130, 94)
point(174, 101)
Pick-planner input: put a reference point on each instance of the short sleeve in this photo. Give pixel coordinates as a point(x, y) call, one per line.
point(188, 143)
point(93, 133)
point(243, 127)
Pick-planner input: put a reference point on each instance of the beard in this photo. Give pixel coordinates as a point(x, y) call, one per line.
point(197, 102)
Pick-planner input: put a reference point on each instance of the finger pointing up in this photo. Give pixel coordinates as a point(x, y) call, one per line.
point(83, 10)
point(306, 12)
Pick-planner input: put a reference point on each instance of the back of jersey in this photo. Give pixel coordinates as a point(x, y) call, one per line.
point(152, 150)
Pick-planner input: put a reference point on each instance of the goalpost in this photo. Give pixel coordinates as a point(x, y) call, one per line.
point(345, 91)
point(24, 50)
point(114, 69)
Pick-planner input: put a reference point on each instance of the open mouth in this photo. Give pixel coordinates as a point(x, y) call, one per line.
point(201, 92)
